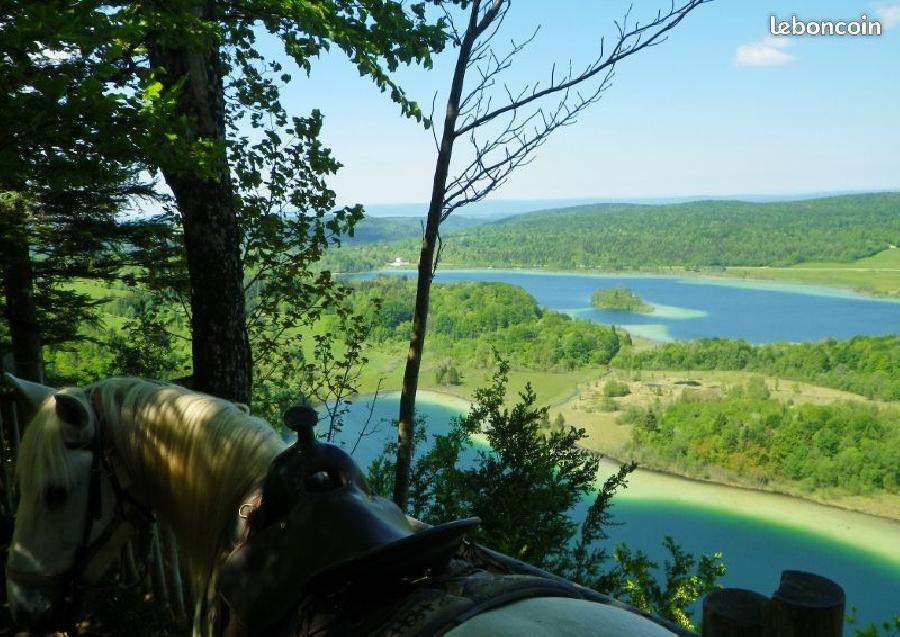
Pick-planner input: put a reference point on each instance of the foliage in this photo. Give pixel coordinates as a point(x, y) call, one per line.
point(639, 587)
point(850, 447)
point(68, 164)
point(114, 84)
point(887, 628)
point(377, 230)
point(524, 488)
point(615, 388)
point(447, 374)
point(468, 319)
point(865, 365)
point(699, 234)
point(143, 347)
point(619, 298)
point(331, 376)
point(526, 471)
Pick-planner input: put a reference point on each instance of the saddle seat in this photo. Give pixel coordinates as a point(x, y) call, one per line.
point(318, 528)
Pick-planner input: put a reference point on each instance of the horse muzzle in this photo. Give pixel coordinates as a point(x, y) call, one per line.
point(40, 603)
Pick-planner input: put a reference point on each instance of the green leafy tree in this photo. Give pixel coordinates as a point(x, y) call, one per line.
point(682, 583)
point(207, 75)
point(524, 489)
point(447, 374)
point(144, 346)
point(68, 164)
point(615, 389)
point(177, 80)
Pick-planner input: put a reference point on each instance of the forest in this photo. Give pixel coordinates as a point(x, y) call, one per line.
point(845, 447)
point(470, 319)
point(705, 234)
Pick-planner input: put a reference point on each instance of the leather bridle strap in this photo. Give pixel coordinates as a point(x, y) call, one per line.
point(74, 576)
point(67, 579)
point(94, 509)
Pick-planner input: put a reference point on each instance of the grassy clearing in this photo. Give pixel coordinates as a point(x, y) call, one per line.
point(589, 408)
point(386, 363)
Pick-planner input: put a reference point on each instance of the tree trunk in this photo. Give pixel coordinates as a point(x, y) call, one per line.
point(426, 267)
point(18, 290)
point(222, 363)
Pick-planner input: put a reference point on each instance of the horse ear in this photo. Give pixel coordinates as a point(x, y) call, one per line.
point(34, 393)
point(71, 410)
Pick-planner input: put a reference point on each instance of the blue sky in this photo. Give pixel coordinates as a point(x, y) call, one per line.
point(689, 117)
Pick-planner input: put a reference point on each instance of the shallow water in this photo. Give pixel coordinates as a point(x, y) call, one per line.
point(756, 548)
point(694, 307)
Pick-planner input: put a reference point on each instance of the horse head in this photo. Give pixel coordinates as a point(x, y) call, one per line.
point(319, 525)
point(66, 504)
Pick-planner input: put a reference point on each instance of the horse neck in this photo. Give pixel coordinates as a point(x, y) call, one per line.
point(192, 466)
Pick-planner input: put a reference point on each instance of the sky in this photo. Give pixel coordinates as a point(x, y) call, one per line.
point(721, 108)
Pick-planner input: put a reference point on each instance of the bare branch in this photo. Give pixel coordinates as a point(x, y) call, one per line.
point(365, 431)
point(511, 133)
point(631, 40)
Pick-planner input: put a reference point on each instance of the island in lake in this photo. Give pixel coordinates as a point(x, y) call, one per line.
point(621, 299)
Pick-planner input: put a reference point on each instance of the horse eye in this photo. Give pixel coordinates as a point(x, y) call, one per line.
point(55, 496)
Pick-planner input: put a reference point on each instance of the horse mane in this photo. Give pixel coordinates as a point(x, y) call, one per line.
point(191, 457)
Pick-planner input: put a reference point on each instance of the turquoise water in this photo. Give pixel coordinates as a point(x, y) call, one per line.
point(755, 552)
point(689, 308)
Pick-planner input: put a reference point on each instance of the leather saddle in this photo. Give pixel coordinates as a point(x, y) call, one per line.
point(319, 527)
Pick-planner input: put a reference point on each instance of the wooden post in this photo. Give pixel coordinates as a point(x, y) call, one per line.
point(733, 612)
point(806, 605)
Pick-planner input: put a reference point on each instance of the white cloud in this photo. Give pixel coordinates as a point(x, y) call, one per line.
point(888, 15)
point(766, 52)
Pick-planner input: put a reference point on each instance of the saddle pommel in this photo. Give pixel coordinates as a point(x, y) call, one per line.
point(319, 526)
point(302, 419)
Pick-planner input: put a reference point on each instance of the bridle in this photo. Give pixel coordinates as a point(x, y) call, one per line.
point(71, 583)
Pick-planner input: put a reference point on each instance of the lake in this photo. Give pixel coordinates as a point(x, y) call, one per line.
point(758, 536)
point(694, 307)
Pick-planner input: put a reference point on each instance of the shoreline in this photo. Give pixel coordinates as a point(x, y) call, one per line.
point(675, 474)
point(672, 272)
point(874, 534)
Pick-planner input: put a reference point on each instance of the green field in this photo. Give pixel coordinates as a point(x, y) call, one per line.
point(878, 275)
point(386, 364)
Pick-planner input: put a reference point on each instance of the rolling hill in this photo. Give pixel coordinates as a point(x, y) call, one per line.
point(838, 229)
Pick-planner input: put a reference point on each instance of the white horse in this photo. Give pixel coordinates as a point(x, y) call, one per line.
point(89, 454)
point(188, 457)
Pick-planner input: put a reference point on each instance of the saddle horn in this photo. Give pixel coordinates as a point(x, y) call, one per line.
point(302, 420)
point(320, 527)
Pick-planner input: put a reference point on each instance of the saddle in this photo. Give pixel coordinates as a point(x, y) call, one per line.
point(319, 527)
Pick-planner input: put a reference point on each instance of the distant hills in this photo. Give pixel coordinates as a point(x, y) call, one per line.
point(386, 229)
point(629, 236)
